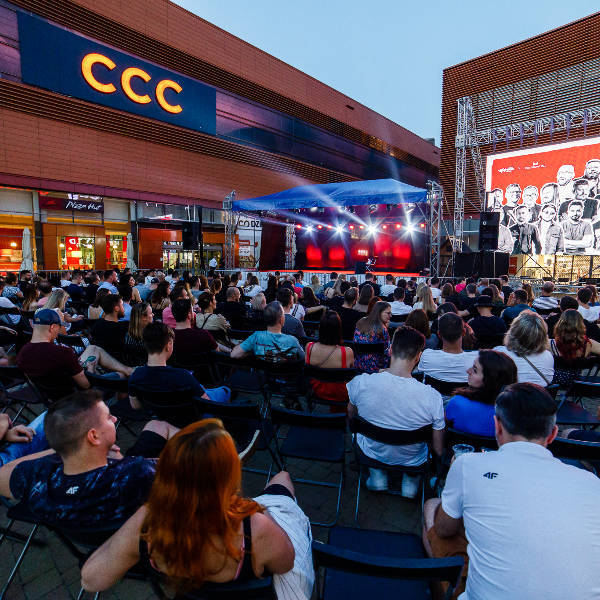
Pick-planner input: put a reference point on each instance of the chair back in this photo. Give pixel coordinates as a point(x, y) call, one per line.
point(453, 436)
point(576, 449)
point(330, 375)
point(239, 334)
point(107, 384)
point(178, 406)
point(445, 388)
point(200, 364)
point(49, 389)
point(296, 418)
point(487, 342)
point(390, 437)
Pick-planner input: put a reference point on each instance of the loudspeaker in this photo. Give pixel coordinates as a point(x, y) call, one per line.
point(489, 228)
point(360, 267)
point(190, 236)
point(481, 264)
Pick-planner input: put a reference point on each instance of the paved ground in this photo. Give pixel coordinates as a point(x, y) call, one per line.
point(50, 572)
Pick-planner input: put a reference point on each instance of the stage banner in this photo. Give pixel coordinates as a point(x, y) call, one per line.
point(548, 198)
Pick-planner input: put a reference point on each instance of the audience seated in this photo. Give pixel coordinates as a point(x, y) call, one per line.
point(255, 319)
point(190, 342)
point(110, 281)
point(127, 296)
point(94, 311)
point(373, 329)
point(20, 440)
point(311, 305)
point(425, 300)
point(348, 316)
point(216, 324)
point(486, 327)
point(399, 308)
point(527, 344)
point(233, 311)
point(196, 496)
point(253, 287)
point(160, 296)
point(108, 332)
point(272, 344)
point(292, 326)
point(531, 521)
point(417, 319)
point(506, 289)
point(589, 313)
point(394, 400)
point(134, 351)
point(75, 290)
point(497, 301)
point(566, 303)
point(388, 287)
point(372, 281)
point(83, 480)
point(451, 362)
point(330, 353)
point(471, 409)
point(156, 376)
point(546, 300)
point(364, 297)
point(177, 293)
point(517, 303)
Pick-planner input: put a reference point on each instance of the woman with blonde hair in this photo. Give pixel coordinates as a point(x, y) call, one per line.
point(425, 300)
point(315, 284)
point(526, 342)
point(197, 527)
point(57, 301)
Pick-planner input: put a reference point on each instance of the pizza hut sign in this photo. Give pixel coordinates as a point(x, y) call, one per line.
point(89, 206)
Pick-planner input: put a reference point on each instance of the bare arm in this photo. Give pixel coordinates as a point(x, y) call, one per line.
point(437, 441)
point(275, 551)
point(135, 403)
point(109, 563)
point(8, 468)
point(81, 381)
point(352, 412)
point(238, 352)
point(445, 526)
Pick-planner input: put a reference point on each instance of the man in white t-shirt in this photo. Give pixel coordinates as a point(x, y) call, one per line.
point(388, 287)
point(451, 362)
point(394, 400)
point(435, 289)
point(589, 313)
point(531, 522)
point(399, 308)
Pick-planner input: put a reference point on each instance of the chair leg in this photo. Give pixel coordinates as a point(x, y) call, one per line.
point(6, 531)
point(19, 561)
point(357, 496)
point(81, 593)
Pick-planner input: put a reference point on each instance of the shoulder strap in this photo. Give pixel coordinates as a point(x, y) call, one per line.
point(536, 370)
point(308, 349)
point(343, 349)
point(247, 572)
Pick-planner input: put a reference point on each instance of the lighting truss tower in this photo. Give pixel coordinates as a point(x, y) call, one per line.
point(290, 245)
point(435, 199)
point(230, 226)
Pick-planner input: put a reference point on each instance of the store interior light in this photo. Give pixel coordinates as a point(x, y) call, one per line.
point(13, 244)
point(61, 245)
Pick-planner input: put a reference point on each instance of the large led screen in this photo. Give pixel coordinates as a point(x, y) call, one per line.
point(548, 198)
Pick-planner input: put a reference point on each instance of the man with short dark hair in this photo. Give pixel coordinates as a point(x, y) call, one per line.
point(531, 521)
point(75, 290)
point(24, 279)
point(589, 313)
point(394, 400)
point(546, 301)
point(348, 316)
point(578, 232)
point(370, 279)
point(157, 376)
point(232, 309)
point(451, 362)
point(399, 308)
point(332, 279)
point(143, 288)
point(108, 332)
point(84, 481)
point(110, 278)
point(190, 341)
point(525, 234)
point(389, 286)
point(506, 289)
point(126, 293)
point(517, 303)
point(292, 326)
point(436, 292)
point(272, 344)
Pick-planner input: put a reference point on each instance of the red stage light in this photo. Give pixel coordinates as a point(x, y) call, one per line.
point(361, 226)
point(319, 226)
point(328, 226)
point(351, 227)
point(422, 225)
point(398, 225)
point(298, 226)
point(384, 227)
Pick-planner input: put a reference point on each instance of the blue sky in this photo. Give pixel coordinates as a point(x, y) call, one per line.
point(387, 54)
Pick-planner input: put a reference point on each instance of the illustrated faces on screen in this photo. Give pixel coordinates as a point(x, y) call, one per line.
point(581, 189)
point(530, 196)
point(548, 212)
point(548, 193)
point(513, 194)
point(575, 211)
point(564, 174)
point(592, 169)
point(523, 214)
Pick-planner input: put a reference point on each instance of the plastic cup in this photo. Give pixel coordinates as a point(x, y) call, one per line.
point(459, 449)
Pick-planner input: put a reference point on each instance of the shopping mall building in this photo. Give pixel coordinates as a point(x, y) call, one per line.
point(132, 117)
point(551, 83)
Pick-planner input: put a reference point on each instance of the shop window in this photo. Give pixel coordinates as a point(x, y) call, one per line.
point(116, 251)
point(76, 252)
point(10, 249)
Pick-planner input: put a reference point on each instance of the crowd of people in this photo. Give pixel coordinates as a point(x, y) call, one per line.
point(476, 355)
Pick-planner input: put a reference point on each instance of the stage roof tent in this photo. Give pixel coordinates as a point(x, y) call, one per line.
point(346, 193)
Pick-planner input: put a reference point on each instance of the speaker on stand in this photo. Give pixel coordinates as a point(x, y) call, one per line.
point(489, 229)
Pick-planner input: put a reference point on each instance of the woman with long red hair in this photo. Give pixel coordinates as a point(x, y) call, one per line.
point(196, 527)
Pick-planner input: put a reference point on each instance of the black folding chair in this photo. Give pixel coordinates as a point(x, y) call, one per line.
point(201, 365)
point(244, 376)
point(445, 388)
point(390, 437)
point(487, 342)
point(577, 451)
point(311, 327)
point(312, 437)
point(572, 412)
point(454, 436)
point(239, 334)
point(362, 563)
point(360, 348)
point(329, 376)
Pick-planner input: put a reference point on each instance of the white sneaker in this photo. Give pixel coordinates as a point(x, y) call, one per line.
point(377, 481)
point(410, 485)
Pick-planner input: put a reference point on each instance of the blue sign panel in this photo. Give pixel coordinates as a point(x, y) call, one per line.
point(65, 62)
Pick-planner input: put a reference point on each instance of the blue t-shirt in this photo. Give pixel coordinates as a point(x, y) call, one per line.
point(512, 312)
point(471, 416)
point(144, 290)
point(102, 497)
point(275, 347)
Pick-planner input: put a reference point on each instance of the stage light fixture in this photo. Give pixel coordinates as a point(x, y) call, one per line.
point(372, 229)
point(398, 225)
point(384, 226)
point(298, 226)
point(340, 229)
point(328, 226)
point(309, 229)
point(319, 226)
point(351, 227)
point(361, 226)
point(422, 225)
point(411, 229)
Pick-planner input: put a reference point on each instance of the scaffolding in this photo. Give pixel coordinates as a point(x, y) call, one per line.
point(230, 221)
point(435, 200)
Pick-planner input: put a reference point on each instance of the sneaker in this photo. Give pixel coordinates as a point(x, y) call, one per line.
point(410, 485)
point(377, 481)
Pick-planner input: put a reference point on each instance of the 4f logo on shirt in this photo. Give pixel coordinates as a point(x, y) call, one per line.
point(489, 475)
point(72, 490)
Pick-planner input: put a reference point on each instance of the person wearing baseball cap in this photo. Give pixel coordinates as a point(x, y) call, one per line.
point(57, 367)
point(488, 329)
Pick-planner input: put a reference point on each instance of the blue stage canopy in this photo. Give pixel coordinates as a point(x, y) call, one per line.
point(347, 193)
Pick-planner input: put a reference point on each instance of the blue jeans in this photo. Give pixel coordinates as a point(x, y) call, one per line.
point(18, 449)
point(220, 394)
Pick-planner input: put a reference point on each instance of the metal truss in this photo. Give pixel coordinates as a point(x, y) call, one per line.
point(230, 221)
point(435, 199)
point(290, 245)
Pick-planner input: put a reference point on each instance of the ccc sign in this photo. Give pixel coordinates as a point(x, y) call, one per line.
point(88, 62)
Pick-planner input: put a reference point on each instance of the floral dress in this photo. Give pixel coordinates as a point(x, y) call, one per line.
point(371, 363)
